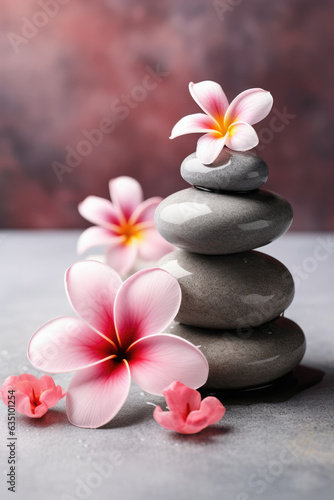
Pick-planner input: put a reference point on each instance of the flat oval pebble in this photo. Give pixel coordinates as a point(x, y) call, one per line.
point(249, 359)
point(215, 224)
point(231, 171)
point(229, 291)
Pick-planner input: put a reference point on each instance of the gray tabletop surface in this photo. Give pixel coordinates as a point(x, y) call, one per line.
point(275, 444)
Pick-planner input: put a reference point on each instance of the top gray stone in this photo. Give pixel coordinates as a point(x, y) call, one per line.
point(231, 171)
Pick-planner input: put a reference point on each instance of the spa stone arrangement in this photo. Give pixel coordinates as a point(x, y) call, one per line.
point(233, 298)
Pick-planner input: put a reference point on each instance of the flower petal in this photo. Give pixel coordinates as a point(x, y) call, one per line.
point(94, 236)
point(181, 398)
point(100, 211)
point(24, 405)
point(145, 211)
point(13, 381)
point(23, 387)
point(33, 397)
point(126, 193)
point(8, 384)
point(152, 246)
point(95, 395)
point(146, 303)
point(66, 344)
point(193, 124)
point(121, 256)
point(251, 106)
point(172, 421)
point(209, 146)
point(210, 412)
point(51, 393)
point(91, 288)
point(241, 137)
point(211, 98)
point(158, 360)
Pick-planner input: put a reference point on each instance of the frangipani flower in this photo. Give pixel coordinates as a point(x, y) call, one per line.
point(126, 225)
point(224, 124)
point(188, 414)
point(33, 397)
point(117, 338)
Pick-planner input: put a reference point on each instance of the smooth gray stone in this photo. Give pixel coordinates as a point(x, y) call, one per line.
point(239, 360)
point(231, 171)
point(216, 224)
point(229, 291)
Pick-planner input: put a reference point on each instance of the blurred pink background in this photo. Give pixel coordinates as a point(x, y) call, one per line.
point(69, 66)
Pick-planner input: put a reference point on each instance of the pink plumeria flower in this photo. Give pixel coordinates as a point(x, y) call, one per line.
point(126, 226)
point(33, 397)
point(224, 124)
point(117, 337)
point(188, 414)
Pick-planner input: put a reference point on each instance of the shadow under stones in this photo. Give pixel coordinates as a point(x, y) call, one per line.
point(281, 390)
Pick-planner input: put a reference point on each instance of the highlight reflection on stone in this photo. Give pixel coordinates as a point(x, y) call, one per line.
point(229, 291)
point(222, 223)
point(231, 171)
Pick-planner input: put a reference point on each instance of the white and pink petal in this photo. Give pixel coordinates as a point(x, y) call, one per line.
point(152, 246)
point(157, 361)
point(100, 211)
point(121, 255)
point(241, 137)
point(211, 98)
point(251, 106)
point(95, 395)
point(194, 124)
point(144, 213)
point(66, 344)
point(146, 303)
point(91, 288)
point(209, 147)
point(95, 236)
point(126, 193)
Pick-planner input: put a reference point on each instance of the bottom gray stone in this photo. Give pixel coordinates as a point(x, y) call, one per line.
point(250, 358)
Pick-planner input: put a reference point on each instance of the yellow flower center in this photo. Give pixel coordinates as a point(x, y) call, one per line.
point(222, 128)
point(129, 232)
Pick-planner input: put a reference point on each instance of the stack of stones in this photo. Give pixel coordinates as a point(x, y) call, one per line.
point(233, 298)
